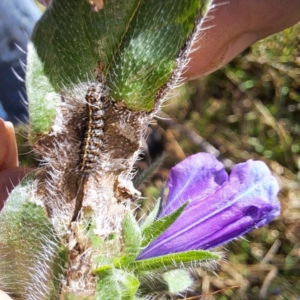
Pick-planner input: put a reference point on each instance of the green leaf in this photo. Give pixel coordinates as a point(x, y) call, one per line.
point(29, 248)
point(146, 58)
point(70, 38)
point(43, 98)
point(152, 216)
point(67, 43)
point(131, 235)
point(128, 282)
point(157, 228)
point(117, 285)
point(131, 243)
point(137, 40)
point(108, 288)
point(177, 280)
point(174, 260)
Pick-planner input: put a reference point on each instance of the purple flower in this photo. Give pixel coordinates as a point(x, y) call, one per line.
point(221, 207)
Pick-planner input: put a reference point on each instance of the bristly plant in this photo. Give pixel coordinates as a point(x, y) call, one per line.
point(98, 72)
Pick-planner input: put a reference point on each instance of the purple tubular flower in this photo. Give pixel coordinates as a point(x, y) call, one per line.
point(221, 207)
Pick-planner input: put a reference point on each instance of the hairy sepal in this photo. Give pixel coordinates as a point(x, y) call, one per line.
point(151, 216)
point(153, 231)
point(131, 235)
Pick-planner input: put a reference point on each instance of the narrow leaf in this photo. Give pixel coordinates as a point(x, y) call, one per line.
point(171, 261)
point(146, 175)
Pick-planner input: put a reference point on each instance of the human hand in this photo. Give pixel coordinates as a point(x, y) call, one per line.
point(234, 25)
point(4, 296)
point(10, 173)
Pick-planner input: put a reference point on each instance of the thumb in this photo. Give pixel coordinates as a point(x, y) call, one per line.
point(4, 296)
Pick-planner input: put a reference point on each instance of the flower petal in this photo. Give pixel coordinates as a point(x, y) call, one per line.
point(193, 179)
point(245, 201)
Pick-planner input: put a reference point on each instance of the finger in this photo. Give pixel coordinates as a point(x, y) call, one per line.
point(4, 296)
point(8, 147)
point(9, 178)
point(233, 26)
point(45, 2)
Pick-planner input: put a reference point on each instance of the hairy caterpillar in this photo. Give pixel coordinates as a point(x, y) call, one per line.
point(94, 132)
point(92, 140)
